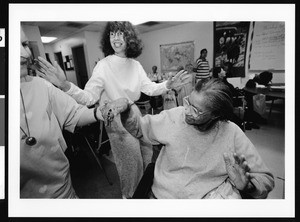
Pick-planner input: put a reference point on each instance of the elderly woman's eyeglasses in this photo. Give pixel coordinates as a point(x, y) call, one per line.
point(192, 110)
point(118, 33)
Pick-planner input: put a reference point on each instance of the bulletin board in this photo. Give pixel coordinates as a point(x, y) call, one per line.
point(268, 46)
point(176, 54)
point(230, 45)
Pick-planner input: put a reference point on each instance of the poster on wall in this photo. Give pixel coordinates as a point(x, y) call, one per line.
point(230, 44)
point(176, 54)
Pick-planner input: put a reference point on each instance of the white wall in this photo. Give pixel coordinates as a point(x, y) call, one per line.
point(65, 47)
point(94, 53)
point(202, 35)
point(91, 45)
point(199, 32)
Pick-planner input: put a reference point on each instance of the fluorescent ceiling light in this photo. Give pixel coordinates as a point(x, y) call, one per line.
point(138, 22)
point(47, 39)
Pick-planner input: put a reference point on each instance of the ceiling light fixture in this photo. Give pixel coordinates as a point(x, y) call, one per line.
point(46, 39)
point(138, 22)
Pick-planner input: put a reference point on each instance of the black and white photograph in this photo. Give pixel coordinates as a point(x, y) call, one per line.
point(154, 113)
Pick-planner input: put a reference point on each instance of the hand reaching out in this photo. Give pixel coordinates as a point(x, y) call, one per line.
point(53, 74)
point(180, 78)
point(238, 170)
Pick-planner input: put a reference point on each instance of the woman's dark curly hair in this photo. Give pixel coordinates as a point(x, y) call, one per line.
point(134, 45)
point(218, 98)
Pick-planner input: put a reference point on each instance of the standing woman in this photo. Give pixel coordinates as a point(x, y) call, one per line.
point(44, 112)
point(115, 76)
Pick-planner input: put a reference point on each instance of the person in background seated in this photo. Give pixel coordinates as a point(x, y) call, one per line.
point(155, 76)
point(202, 70)
point(204, 154)
point(219, 73)
point(44, 112)
point(116, 76)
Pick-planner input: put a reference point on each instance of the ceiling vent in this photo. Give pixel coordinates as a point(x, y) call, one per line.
point(151, 23)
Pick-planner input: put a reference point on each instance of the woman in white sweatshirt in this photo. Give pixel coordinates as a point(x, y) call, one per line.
point(118, 75)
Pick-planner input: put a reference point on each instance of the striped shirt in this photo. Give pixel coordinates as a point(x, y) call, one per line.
point(202, 70)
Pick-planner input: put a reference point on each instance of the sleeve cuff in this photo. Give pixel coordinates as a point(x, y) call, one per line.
point(165, 85)
point(71, 90)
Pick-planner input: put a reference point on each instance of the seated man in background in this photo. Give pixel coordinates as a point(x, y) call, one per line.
point(204, 154)
point(155, 76)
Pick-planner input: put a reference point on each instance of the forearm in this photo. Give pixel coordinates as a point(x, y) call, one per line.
point(84, 97)
point(154, 89)
point(131, 123)
point(88, 117)
point(64, 85)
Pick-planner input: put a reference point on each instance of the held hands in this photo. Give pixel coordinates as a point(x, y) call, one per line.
point(238, 171)
point(110, 109)
point(180, 78)
point(53, 74)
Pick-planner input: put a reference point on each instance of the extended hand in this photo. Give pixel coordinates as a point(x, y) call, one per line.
point(53, 74)
point(180, 78)
point(238, 170)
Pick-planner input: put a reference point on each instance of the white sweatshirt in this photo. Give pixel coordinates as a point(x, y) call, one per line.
point(115, 77)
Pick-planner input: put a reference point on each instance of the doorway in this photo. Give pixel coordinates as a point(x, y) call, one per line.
point(58, 57)
point(80, 65)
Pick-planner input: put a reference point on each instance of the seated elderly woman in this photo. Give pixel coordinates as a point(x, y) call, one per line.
point(204, 155)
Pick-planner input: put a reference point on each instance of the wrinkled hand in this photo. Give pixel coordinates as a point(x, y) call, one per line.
point(180, 78)
point(53, 74)
point(110, 109)
point(238, 170)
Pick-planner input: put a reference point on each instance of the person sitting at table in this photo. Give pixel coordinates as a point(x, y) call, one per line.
point(204, 155)
point(219, 73)
point(251, 116)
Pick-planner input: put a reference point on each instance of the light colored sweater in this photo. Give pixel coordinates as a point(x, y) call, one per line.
point(191, 163)
point(115, 77)
point(44, 167)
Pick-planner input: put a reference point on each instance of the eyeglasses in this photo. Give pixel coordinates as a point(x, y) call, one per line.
point(118, 33)
point(192, 109)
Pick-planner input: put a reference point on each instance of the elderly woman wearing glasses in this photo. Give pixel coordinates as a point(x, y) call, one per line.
point(204, 154)
point(115, 76)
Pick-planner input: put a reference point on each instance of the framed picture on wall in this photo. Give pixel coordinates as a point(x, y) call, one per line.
point(230, 45)
point(176, 54)
point(69, 63)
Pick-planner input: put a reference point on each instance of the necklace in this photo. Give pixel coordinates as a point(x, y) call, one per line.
point(30, 141)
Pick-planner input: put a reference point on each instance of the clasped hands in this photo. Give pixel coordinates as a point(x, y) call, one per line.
point(110, 109)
